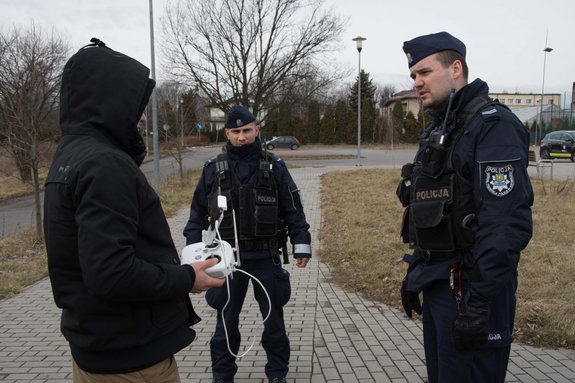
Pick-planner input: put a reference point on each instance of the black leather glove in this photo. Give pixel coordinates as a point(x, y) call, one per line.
point(471, 327)
point(409, 300)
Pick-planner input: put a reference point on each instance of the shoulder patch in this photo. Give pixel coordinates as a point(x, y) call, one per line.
point(499, 181)
point(491, 114)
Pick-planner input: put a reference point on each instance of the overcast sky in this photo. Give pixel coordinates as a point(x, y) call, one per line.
point(505, 38)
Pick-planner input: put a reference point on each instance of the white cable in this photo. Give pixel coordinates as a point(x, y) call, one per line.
point(228, 301)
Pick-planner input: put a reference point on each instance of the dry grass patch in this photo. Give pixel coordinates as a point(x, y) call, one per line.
point(360, 229)
point(10, 184)
point(546, 312)
point(22, 262)
point(176, 193)
point(361, 243)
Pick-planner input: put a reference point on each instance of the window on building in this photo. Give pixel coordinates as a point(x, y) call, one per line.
point(510, 101)
point(529, 101)
point(518, 101)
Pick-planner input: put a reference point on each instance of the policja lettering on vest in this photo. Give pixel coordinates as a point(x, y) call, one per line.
point(432, 194)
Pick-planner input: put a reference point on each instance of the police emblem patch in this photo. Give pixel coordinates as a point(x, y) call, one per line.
point(499, 181)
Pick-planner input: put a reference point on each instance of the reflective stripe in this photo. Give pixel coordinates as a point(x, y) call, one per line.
point(300, 248)
point(566, 155)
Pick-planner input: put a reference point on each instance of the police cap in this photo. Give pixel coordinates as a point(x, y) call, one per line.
point(239, 116)
point(423, 46)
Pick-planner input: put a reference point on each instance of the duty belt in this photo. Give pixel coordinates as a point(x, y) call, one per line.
point(435, 256)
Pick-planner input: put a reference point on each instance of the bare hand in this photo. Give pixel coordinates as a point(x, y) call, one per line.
point(203, 280)
point(301, 262)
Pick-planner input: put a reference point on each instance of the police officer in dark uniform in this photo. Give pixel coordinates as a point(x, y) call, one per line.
point(266, 202)
point(468, 202)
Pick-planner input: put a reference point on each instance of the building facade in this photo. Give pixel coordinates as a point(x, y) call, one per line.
point(526, 99)
point(529, 103)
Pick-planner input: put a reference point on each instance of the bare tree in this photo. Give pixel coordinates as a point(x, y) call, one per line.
point(30, 67)
point(251, 52)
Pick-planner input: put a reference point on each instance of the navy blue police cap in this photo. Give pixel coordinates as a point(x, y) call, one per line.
point(239, 116)
point(423, 46)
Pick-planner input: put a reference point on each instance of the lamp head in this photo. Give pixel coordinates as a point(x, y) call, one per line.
point(358, 40)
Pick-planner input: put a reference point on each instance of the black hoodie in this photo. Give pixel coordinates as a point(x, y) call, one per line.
point(112, 263)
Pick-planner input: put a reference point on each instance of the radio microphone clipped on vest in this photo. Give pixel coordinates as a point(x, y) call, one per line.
point(438, 138)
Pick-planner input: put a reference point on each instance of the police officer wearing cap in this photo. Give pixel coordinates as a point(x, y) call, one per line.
point(266, 202)
point(468, 202)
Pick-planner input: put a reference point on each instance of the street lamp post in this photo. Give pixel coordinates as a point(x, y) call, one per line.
point(156, 143)
point(358, 42)
point(540, 123)
point(182, 119)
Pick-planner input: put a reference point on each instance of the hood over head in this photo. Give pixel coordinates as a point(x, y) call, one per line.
point(105, 91)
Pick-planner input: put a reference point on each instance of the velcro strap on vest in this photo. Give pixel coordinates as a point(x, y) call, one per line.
point(259, 244)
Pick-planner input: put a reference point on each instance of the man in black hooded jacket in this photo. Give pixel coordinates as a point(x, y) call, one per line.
point(114, 269)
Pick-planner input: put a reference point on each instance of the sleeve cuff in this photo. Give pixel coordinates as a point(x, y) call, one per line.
point(192, 274)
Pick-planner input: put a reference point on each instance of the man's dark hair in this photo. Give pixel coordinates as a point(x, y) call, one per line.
point(446, 58)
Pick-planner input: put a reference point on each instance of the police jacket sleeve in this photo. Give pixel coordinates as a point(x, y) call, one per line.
point(291, 210)
point(504, 197)
point(125, 250)
point(199, 206)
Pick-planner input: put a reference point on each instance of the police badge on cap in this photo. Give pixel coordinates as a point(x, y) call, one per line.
point(239, 116)
point(423, 46)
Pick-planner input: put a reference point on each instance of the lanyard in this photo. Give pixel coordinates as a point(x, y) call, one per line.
point(456, 290)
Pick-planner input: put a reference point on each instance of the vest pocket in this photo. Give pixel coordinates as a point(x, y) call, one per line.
point(433, 230)
point(265, 213)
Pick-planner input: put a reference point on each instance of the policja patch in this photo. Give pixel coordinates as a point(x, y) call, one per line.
point(499, 181)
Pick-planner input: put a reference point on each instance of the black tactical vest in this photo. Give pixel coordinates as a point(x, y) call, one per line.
point(439, 219)
point(255, 204)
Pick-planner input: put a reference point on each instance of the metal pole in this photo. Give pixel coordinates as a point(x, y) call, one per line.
point(358, 43)
point(358, 107)
point(182, 119)
point(154, 103)
point(539, 129)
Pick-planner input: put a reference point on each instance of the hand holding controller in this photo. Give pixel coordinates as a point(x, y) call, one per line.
point(221, 250)
point(203, 281)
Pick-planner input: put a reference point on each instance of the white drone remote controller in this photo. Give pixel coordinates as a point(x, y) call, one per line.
point(222, 250)
point(212, 247)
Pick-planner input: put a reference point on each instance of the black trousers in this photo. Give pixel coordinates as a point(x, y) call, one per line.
point(444, 364)
point(274, 338)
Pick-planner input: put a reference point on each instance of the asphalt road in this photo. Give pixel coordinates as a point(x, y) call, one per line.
point(18, 214)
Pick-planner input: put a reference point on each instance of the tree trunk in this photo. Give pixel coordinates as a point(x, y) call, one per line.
point(37, 201)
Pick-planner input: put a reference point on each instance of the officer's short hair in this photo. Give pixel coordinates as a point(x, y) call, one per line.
point(446, 58)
